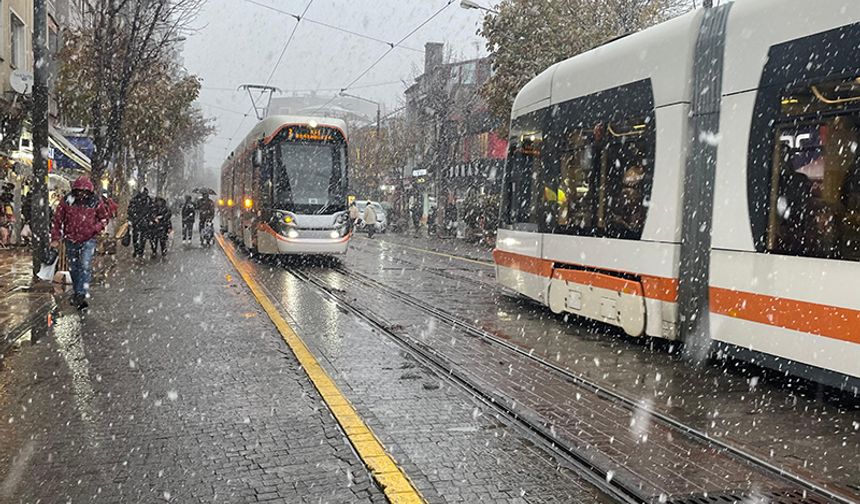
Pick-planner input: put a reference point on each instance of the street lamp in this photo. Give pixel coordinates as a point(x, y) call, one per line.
point(378, 108)
point(470, 4)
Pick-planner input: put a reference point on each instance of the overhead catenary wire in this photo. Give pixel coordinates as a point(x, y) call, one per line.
point(386, 53)
point(311, 90)
point(277, 63)
point(333, 27)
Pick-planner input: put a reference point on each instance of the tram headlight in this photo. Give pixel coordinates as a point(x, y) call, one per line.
point(292, 233)
point(283, 218)
point(334, 234)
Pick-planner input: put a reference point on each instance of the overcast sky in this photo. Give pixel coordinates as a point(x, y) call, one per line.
point(239, 42)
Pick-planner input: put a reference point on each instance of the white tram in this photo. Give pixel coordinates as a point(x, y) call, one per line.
point(700, 180)
point(284, 188)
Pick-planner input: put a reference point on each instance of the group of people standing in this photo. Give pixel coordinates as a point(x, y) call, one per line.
point(151, 221)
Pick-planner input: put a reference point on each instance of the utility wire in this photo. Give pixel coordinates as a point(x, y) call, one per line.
point(309, 90)
point(386, 53)
point(277, 63)
point(292, 34)
point(333, 27)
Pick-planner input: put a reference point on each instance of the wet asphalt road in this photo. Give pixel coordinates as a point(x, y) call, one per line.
point(813, 431)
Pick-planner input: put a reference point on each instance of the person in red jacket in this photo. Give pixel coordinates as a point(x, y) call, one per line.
point(79, 218)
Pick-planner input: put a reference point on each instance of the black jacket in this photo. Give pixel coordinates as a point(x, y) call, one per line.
point(207, 209)
point(159, 222)
point(188, 210)
point(139, 209)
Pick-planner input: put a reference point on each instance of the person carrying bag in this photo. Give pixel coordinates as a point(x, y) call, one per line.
point(79, 218)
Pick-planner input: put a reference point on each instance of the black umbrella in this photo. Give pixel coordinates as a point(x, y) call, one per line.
point(204, 190)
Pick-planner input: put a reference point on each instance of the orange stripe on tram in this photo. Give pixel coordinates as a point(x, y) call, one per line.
point(652, 287)
point(599, 280)
point(823, 320)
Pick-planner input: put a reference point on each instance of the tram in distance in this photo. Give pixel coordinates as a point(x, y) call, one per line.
point(700, 181)
point(284, 189)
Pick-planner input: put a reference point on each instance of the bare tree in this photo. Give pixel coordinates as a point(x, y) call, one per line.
point(121, 40)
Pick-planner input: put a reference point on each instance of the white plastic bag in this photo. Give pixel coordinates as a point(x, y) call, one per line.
point(46, 272)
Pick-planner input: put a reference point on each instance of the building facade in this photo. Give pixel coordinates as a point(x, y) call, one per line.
point(16, 77)
point(455, 166)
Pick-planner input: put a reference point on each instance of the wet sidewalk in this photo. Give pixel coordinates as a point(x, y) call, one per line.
point(24, 301)
point(174, 387)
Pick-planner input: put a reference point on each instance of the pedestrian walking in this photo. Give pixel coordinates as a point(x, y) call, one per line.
point(160, 226)
point(416, 218)
point(7, 215)
point(370, 218)
point(138, 217)
point(206, 209)
point(79, 218)
point(189, 210)
point(353, 213)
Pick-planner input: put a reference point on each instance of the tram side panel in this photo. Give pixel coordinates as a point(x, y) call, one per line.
point(784, 265)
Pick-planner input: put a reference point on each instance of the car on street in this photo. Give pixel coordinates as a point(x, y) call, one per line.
point(381, 217)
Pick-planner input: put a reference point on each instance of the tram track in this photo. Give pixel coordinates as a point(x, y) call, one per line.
point(796, 489)
point(582, 466)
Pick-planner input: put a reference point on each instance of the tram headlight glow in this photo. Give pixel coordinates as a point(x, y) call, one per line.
point(230, 202)
point(248, 203)
point(292, 233)
point(220, 202)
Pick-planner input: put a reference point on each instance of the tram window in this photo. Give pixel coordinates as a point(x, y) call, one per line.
point(521, 189)
point(626, 174)
point(815, 181)
point(520, 185)
point(575, 196)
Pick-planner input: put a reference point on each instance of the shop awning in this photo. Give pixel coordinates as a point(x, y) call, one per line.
point(62, 144)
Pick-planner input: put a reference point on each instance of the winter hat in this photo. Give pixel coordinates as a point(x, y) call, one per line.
point(83, 183)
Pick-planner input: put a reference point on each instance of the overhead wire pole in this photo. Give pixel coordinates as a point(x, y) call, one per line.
point(39, 188)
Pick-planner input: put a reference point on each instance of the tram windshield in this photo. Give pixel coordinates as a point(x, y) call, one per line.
point(309, 177)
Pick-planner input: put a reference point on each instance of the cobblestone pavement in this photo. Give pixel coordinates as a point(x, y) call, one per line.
point(811, 431)
point(453, 246)
point(174, 387)
point(22, 303)
point(450, 445)
point(16, 268)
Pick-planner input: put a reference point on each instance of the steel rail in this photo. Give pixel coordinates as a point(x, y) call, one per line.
point(583, 468)
point(627, 402)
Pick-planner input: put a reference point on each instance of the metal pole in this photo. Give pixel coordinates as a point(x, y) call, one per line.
point(378, 121)
point(39, 224)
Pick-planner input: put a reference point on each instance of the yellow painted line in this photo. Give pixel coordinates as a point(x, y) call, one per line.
point(449, 256)
point(395, 484)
